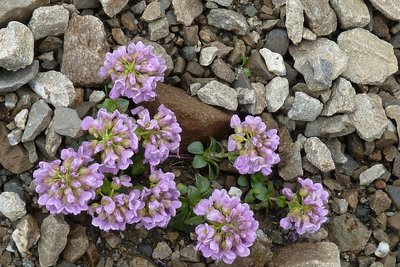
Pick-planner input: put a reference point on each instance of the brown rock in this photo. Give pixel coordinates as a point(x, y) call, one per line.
point(92, 255)
point(379, 202)
point(394, 222)
point(19, 10)
point(306, 254)
point(396, 166)
point(388, 138)
point(12, 158)
point(223, 70)
point(380, 27)
point(77, 244)
point(198, 120)
point(390, 153)
point(128, 20)
point(191, 35)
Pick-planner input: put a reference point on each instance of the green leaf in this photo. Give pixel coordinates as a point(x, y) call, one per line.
point(256, 185)
point(249, 197)
point(202, 183)
point(196, 148)
point(247, 72)
point(243, 180)
point(178, 221)
point(281, 201)
point(194, 195)
point(196, 220)
point(113, 104)
point(199, 162)
point(182, 188)
point(122, 104)
point(106, 187)
point(258, 177)
point(261, 194)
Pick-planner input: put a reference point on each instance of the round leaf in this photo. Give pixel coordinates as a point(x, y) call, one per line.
point(199, 162)
point(243, 180)
point(196, 148)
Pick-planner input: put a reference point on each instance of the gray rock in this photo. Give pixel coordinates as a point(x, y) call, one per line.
point(12, 206)
point(335, 147)
point(342, 99)
point(274, 61)
point(54, 232)
point(379, 202)
point(77, 244)
point(308, 53)
point(162, 251)
point(38, 119)
point(277, 41)
point(84, 51)
point(276, 92)
point(324, 254)
point(348, 232)
point(113, 7)
point(97, 96)
point(158, 29)
point(246, 96)
point(139, 7)
point(26, 234)
point(13, 80)
point(320, 16)
point(369, 118)
point(187, 10)
point(49, 21)
point(339, 205)
point(223, 70)
point(10, 101)
point(294, 20)
point(294, 168)
point(351, 13)
point(228, 20)
point(52, 141)
point(190, 254)
point(16, 46)
point(335, 126)
point(66, 122)
point(153, 12)
point(218, 94)
point(318, 154)
point(20, 119)
point(260, 101)
point(309, 35)
point(207, 55)
point(394, 193)
point(19, 10)
point(84, 4)
point(305, 108)
point(373, 173)
point(31, 149)
point(390, 9)
point(15, 136)
point(55, 88)
point(378, 56)
point(225, 3)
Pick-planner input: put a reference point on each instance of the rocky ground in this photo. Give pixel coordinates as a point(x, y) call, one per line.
point(324, 73)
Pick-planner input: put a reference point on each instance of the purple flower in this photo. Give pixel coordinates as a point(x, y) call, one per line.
point(160, 135)
point(134, 70)
point(254, 145)
point(307, 210)
point(160, 201)
point(113, 137)
point(230, 229)
point(113, 213)
point(67, 186)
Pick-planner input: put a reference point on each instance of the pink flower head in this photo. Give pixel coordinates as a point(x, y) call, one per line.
point(254, 145)
point(230, 229)
point(134, 70)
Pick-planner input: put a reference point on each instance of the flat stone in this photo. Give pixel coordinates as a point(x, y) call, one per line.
point(305, 108)
point(16, 46)
point(190, 254)
point(339, 205)
point(19, 10)
point(52, 142)
point(66, 122)
point(335, 126)
point(54, 87)
point(274, 62)
point(276, 92)
point(335, 147)
point(77, 244)
point(373, 173)
point(394, 222)
point(54, 232)
point(290, 167)
point(26, 234)
point(320, 16)
point(113, 7)
point(153, 12)
point(13, 80)
point(85, 4)
point(20, 119)
point(162, 251)
point(369, 118)
point(260, 102)
point(394, 193)
point(49, 21)
point(318, 154)
point(309, 52)
point(158, 29)
point(257, 66)
point(324, 254)
point(14, 137)
point(207, 55)
point(223, 71)
point(294, 20)
point(218, 94)
point(390, 9)
point(84, 52)
point(378, 55)
point(10, 101)
point(342, 99)
point(97, 96)
point(38, 120)
point(351, 13)
point(187, 10)
point(379, 202)
point(228, 20)
point(348, 233)
point(225, 3)
point(12, 206)
point(277, 40)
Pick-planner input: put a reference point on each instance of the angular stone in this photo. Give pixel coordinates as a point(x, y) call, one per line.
point(373, 173)
point(369, 118)
point(14, 137)
point(335, 147)
point(153, 12)
point(294, 20)
point(324, 254)
point(20, 119)
point(335, 126)
point(379, 202)
point(12, 206)
point(26, 234)
point(84, 51)
point(320, 16)
point(290, 166)
point(378, 55)
point(54, 232)
point(260, 102)
point(276, 92)
point(274, 61)
point(38, 120)
point(19, 10)
point(49, 21)
point(305, 108)
point(258, 68)
point(394, 193)
point(158, 29)
point(277, 41)
point(351, 13)
point(54, 87)
point(187, 10)
point(77, 244)
point(13, 80)
point(228, 20)
point(52, 141)
point(218, 94)
point(113, 7)
point(318, 154)
point(162, 251)
point(16, 46)
point(207, 55)
point(393, 112)
point(339, 205)
point(394, 222)
point(66, 122)
point(223, 71)
point(342, 99)
point(390, 9)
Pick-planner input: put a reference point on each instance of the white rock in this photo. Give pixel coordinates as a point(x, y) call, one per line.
point(390, 8)
point(15, 136)
point(351, 13)
point(305, 108)
point(218, 94)
point(12, 206)
point(276, 92)
point(97, 96)
point(382, 250)
point(235, 192)
point(342, 99)
point(309, 35)
point(49, 21)
point(318, 154)
point(274, 62)
point(113, 7)
point(260, 102)
point(207, 55)
point(294, 20)
point(373, 173)
point(20, 119)
point(26, 234)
